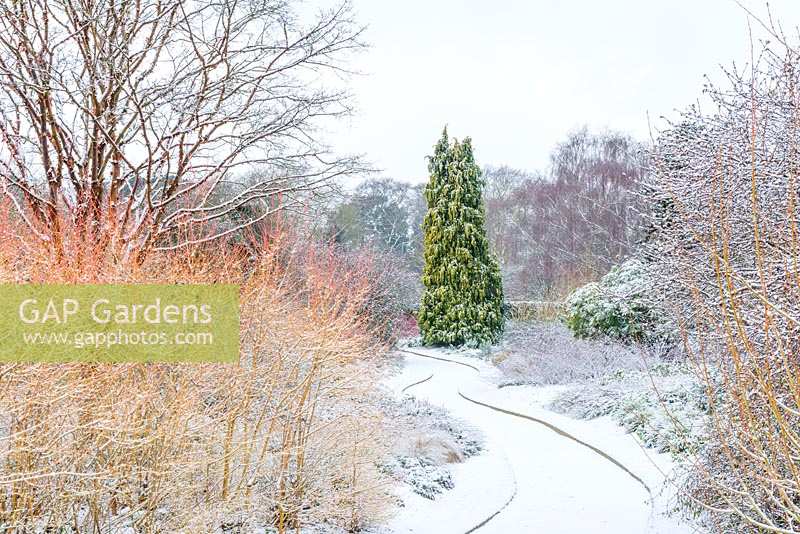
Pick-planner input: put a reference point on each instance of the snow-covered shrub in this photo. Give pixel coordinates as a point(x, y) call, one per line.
point(544, 353)
point(391, 284)
point(385, 306)
point(670, 417)
point(268, 442)
point(427, 439)
point(724, 246)
point(407, 326)
point(618, 306)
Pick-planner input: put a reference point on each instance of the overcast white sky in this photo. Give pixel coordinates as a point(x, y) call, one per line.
point(518, 75)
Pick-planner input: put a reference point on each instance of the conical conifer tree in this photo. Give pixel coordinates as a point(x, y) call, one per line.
point(463, 296)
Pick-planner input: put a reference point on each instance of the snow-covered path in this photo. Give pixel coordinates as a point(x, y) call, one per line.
point(538, 480)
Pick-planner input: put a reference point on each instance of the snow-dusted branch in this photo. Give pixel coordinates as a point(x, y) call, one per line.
point(124, 119)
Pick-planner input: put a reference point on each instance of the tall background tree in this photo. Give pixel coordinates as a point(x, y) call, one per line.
point(376, 213)
point(463, 296)
point(558, 229)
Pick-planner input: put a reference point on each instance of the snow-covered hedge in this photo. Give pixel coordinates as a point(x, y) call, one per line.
point(618, 306)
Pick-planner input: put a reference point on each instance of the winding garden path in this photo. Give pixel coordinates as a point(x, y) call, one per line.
point(540, 472)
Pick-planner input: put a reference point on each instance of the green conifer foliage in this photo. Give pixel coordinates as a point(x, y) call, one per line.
point(463, 297)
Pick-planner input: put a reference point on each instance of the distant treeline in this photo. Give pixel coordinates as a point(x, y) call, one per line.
point(552, 230)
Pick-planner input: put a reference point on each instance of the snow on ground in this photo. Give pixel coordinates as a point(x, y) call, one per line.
point(427, 441)
point(540, 480)
point(664, 406)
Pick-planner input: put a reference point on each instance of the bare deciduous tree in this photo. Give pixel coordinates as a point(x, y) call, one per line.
point(122, 119)
point(572, 224)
